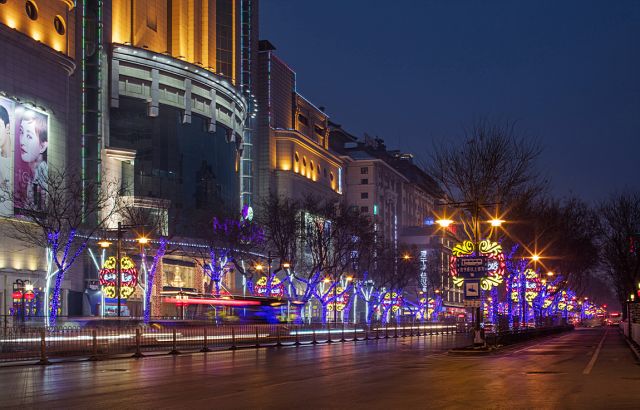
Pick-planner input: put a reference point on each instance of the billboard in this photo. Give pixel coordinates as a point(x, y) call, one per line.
point(24, 140)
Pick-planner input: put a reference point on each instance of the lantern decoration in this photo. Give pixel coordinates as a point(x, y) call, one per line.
point(427, 309)
point(496, 264)
point(392, 301)
point(109, 277)
point(341, 301)
point(533, 286)
point(277, 287)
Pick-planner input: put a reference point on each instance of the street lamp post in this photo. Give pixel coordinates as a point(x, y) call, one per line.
point(495, 222)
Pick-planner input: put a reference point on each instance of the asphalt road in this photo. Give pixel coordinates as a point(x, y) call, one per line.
point(591, 368)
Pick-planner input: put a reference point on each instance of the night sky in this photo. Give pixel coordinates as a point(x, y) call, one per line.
point(417, 71)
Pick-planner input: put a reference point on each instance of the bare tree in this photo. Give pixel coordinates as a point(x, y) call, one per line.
point(562, 232)
point(620, 242)
point(63, 213)
point(493, 163)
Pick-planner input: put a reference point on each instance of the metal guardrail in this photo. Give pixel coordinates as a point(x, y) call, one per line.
point(41, 345)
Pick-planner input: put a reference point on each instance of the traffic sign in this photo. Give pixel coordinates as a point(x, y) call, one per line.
point(471, 289)
point(470, 267)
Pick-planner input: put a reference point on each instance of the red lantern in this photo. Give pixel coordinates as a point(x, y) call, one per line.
point(29, 296)
point(17, 294)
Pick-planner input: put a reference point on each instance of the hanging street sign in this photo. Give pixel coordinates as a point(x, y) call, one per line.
point(472, 267)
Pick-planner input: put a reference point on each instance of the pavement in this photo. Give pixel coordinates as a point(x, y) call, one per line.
point(586, 368)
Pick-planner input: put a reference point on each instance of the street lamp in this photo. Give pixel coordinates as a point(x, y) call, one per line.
point(444, 223)
point(496, 222)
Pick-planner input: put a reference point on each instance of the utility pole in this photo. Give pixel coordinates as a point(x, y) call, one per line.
point(119, 267)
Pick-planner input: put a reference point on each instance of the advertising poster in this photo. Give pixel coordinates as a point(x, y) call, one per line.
point(30, 158)
point(7, 132)
point(24, 139)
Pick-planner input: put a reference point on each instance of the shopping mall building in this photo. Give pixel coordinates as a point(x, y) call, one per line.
point(157, 95)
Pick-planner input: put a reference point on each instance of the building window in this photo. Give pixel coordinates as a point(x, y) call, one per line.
point(364, 181)
point(325, 172)
point(364, 195)
point(304, 162)
point(303, 120)
point(31, 9)
point(331, 176)
point(58, 24)
point(364, 209)
point(318, 169)
point(364, 170)
point(224, 37)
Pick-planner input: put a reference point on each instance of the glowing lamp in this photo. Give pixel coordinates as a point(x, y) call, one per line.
point(28, 287)
point(286, 265)
point(259, 267)
point(535, 257)
point(550, 274)
point(104, 244)
point(143, 241)
point(349, 278)
point(496, 222)
point(327, 280)
point(444, 223)
point(406, 257)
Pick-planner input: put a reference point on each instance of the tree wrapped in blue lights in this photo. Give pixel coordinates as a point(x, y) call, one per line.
point(62, 220)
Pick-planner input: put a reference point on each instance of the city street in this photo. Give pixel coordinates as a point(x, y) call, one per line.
point(591, 368)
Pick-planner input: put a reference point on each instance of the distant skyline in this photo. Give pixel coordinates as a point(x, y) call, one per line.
point(417, 71)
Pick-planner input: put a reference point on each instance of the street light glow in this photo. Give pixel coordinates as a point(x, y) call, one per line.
point(143, 241)
point(104, 244)
point(259, 267)
point(535, 257)
point(286, 265)
point(550, 274)
point(496, 222)
point(406, 257)
point(444, 223)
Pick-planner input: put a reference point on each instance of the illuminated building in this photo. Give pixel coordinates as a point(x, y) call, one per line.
point(293, 156)
point(38, 80)
point(158, 95)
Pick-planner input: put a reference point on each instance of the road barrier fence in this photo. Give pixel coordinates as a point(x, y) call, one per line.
point(44, 344)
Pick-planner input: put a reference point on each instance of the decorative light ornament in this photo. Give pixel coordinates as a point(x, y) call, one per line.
point(277, 287)
point(492, 250)
point(109, 277)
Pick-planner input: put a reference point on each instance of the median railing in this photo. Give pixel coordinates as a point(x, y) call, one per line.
point(43, 345)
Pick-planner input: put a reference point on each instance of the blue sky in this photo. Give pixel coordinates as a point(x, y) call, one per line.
point(413, 72)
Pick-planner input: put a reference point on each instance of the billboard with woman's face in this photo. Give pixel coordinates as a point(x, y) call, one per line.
point(7, 109)
point(24, 139)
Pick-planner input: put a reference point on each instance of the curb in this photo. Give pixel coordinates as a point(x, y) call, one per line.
point(633, 347)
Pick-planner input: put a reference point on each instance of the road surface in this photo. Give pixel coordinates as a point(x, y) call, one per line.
point(586, 368)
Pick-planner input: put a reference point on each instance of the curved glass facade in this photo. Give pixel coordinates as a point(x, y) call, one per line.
point(180, 162)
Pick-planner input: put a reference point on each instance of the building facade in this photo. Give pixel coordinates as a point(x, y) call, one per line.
point(39, 128)
point(293, 155)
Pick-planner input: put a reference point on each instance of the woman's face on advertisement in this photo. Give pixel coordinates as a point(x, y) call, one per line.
point(30, 146)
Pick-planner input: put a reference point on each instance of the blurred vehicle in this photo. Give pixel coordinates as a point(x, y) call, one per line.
point(613, 319)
